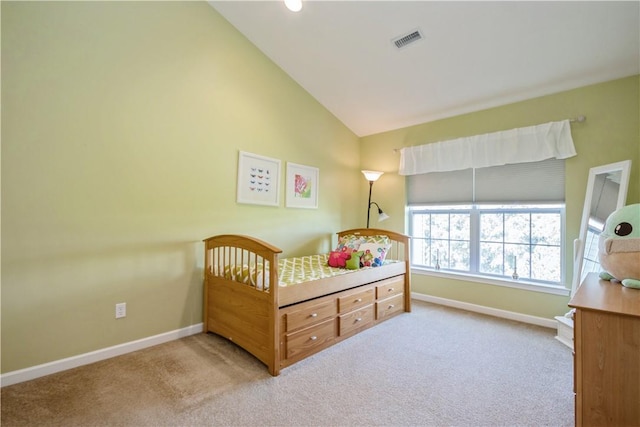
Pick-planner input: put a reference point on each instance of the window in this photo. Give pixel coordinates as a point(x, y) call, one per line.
point(490, 240)
point(441, 237)
point(502, 221)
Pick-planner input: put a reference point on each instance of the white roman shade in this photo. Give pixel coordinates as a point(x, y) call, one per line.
point(535, 182)
point(455, 187)
point(521, 145)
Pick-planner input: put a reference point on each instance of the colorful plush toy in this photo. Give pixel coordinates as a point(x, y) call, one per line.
point(353, 263)
point(619, 247)
point(339, 258)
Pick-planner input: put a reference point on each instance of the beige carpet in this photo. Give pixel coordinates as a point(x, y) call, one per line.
point(435, 366)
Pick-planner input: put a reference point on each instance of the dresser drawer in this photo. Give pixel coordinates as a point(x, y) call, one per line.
point(307, 341)
point(310, 315)
point(356, 319)
point(356, 300)
point(389, 306)
point(390, 287)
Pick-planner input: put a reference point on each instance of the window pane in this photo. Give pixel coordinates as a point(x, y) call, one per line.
point(517, 259)
point(440, 254)
point(516, 228)
point(545, 263)
point(491, 227)
point(491, 257)
point(418, 225)
point(460, 256)
point(419, 251)
point(440, 226)
point(546, 228)
point(460, 227)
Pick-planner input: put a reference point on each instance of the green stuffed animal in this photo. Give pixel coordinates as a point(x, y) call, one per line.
point(353, 263)
point(619, 247)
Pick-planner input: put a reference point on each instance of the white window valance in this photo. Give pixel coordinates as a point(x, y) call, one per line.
point(520, 145)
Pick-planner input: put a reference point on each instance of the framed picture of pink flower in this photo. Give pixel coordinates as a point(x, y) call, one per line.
point(302, 186)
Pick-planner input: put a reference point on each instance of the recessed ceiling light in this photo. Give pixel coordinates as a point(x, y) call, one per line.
point(293, 5)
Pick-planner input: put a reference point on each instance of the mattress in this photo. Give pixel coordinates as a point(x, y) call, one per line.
point(291, 271)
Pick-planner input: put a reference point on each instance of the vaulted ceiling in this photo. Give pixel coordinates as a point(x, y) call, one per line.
point(472, 55)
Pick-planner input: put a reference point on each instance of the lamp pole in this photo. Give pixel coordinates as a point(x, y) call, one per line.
point(371, 176)
point(369, 203)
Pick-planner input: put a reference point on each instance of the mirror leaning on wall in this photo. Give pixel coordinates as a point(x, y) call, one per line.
point(606, 192)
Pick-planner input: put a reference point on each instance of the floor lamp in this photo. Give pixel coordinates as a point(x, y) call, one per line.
point(372, 176)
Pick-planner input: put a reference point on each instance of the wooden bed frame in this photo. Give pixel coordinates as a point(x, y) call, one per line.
point(283, 325)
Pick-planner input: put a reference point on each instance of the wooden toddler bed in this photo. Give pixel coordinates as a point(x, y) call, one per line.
point(284, 323)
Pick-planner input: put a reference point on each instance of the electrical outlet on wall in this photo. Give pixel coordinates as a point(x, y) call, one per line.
point(121, 310)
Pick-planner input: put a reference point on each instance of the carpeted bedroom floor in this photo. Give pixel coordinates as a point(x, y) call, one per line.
point(435, 366)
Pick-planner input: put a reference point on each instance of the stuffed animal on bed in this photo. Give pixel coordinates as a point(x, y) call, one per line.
point(339, 258)
point(619, 247)
point(353, 263)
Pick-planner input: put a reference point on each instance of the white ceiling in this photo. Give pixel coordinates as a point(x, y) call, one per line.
point(474, 55)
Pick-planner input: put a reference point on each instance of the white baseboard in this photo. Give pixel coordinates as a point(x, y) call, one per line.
point(34, 372)
point(511, 315)
point(38, 371)
point(565, 341)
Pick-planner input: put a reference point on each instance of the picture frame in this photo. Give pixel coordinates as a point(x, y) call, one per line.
point(303, 184)
point(258, 179)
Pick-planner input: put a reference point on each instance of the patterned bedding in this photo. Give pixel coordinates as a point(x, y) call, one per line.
point(291, 271)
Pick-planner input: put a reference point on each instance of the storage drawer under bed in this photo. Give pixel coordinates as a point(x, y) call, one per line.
point(307, 341)
point(357, 319)
point(356, 300)
point(389, 287)
point(310, 315)
point(390, 306)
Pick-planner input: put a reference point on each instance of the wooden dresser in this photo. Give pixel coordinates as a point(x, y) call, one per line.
point(606, 353)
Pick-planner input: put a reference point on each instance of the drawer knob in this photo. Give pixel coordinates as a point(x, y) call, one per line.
point(359, 300)
point(313, 315)
point(313, 338)
point(358, 319)
point(391, 305)
point(390, 290)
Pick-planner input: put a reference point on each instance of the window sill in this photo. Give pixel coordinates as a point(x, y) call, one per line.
point(519, 284)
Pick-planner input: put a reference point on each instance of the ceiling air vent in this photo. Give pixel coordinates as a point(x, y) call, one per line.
point(407, 39)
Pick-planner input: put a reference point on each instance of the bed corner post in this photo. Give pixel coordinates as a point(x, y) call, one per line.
point(407, 277)
point(274, 314)
point(205, 294)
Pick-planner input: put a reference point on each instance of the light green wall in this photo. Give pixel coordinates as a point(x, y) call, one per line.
point(121, 125)
point(610, 134)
